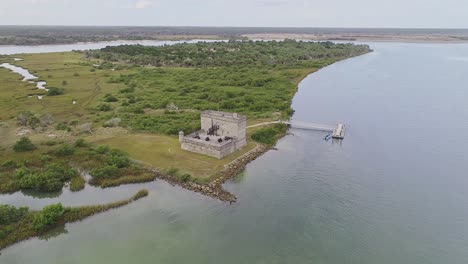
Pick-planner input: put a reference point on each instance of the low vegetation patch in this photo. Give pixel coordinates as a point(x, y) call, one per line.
point(23, 145)
point(53, 91)
point(77, 184)
point(257, 79)
point(49, 171)
point(18, 224)
point(270, 135)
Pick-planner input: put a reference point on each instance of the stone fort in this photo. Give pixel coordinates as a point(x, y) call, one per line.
point(221, 134)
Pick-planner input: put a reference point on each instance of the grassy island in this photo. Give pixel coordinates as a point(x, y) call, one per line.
point(18, 224)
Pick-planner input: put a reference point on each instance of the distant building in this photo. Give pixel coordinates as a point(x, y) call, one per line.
point(221, 134)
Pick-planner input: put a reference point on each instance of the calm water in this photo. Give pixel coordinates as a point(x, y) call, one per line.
point(394, 191)
point(9, 50)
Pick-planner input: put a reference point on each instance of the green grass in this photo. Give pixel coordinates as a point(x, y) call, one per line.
point(164, 152)
point(54, 68)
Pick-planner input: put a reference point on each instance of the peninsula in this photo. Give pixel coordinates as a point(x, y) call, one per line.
point(113, 116)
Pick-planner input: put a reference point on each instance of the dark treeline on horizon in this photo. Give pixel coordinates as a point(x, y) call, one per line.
point(109, 30)
point(36, 35)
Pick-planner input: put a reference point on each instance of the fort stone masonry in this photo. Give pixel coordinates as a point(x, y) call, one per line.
point(221, 134)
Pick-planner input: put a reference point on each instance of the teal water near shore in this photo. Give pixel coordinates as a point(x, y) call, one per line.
point(395, 190)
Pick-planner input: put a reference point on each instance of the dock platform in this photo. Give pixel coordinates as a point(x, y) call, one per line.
point(339, 131)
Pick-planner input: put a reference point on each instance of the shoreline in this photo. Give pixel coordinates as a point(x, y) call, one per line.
point(429, 38)
point(333, 37)
point(159, 38)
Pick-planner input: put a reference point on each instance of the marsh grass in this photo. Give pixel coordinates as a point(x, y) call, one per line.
point(77, 184)
point(25, 229)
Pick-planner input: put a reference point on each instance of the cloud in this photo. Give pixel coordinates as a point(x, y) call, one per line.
point(142, 4)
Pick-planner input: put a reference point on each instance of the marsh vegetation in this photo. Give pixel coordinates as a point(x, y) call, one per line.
point(17, 224)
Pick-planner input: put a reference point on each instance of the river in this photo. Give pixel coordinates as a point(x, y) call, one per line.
point(11, 49)
point(395, 190)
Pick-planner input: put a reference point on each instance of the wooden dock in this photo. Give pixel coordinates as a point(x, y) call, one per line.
point(338, 132)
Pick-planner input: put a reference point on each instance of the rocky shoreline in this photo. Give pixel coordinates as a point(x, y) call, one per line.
point(214, 188)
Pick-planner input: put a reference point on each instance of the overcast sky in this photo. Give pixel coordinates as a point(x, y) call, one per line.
point(273, 13)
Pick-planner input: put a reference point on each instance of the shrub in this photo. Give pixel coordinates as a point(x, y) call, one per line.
point(269, 135)
point(103, 172)
point(34, 121)
point(81, 143)
point(110, 98)
point(173, 171)
point(49, 179)
point(23, 145)
point(74, 122)
point(48, 216)
point(47, 120)
point(102, 149)
point(186, 177)
point(104, 107)
point(45, 158)
point(77, 184)
point(53, 91)
point(138, 110)
point(61, 126)
point(65, 150)
point(118, 159)
point(10, 214)
point(23, 118)
point(9, 164)
point(127, 90)
point(114, 122)
point(86, 128)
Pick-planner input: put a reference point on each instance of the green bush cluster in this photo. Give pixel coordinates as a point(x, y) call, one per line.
point(114, 161)
point(117, 158)
point(104, 107)
point(65, 150)
point(62, 126)
point(9, 164)
point(269, 135)
point(257, 79)
point(54, 91)
point(50, 178)
point(48, 216)
point(232, 53)
point(105, 171)
point(81, 143)
point(110, 98)
point(77, 184)
point(24, 224)
point(24, 144)
point(10, 214)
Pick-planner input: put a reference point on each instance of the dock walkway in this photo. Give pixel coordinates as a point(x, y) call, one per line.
point(337, 131)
